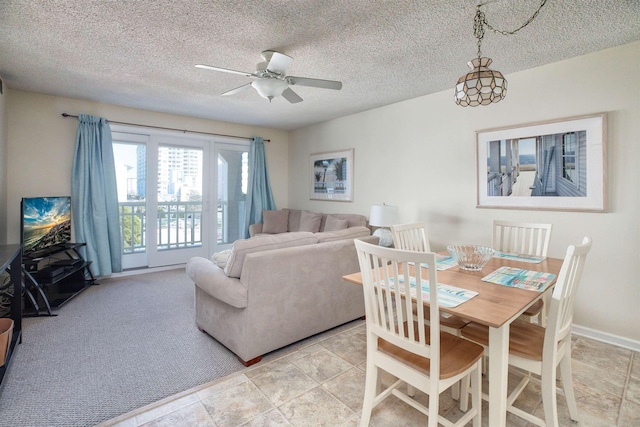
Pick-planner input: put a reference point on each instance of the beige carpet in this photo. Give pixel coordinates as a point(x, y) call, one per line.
point(117, 346)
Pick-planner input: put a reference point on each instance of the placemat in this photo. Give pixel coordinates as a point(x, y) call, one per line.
point(519, 278)
point(448, 296)
point(442, 262)
point(521, 258)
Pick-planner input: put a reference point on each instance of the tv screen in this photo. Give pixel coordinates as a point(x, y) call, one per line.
point(46, 221)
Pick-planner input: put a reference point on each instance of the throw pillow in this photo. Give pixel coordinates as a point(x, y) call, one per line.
point(220, 258)
point(275, 222)
point(310, 221)
point(333, 223)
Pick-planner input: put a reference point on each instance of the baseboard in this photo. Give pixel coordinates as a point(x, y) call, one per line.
point(606, 337)
point(144, 270)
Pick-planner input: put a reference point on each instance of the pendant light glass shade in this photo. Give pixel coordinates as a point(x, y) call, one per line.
point(482, 86)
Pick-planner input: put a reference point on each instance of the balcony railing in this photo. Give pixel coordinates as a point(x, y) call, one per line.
point(178, 225)
point(133, 225)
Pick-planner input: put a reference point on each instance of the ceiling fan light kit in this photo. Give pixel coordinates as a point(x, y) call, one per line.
point(270, 87)
point(484, 86)
point(272, 80)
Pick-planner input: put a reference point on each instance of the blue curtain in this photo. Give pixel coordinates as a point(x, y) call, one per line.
point(259, 196)
point(94, 196)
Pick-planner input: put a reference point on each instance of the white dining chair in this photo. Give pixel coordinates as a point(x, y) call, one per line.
point(541, 350)
point(411, 237)
point(403, 345)
point(524, 238)
point(414, 237)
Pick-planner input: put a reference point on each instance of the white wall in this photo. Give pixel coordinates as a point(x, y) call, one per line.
point(41, 144)
point(420, 155)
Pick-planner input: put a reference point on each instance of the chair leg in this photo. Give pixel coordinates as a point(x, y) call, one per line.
point(567, 385)
point(434, 405)
point(411, 390)
point(455, 391)
point(464, 393)
point(371, 387)
point(476, 389)
point(549, 395)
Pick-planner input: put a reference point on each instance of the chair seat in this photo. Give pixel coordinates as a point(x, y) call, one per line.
point(456, 354)
point(525, 339)
point(535, 308)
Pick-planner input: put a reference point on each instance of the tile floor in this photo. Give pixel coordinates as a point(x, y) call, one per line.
point(320, 382)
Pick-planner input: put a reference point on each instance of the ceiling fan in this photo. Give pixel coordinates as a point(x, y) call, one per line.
point(271, 79)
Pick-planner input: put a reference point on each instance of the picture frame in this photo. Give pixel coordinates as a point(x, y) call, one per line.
point(552, 165)
point(331, 176)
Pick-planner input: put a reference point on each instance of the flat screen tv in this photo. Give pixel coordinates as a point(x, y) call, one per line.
point(46, 222)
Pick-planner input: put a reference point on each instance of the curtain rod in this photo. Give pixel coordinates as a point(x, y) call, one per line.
point(165, 128)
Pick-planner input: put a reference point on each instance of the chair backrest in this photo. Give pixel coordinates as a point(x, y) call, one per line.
point(560, 314)
point(521, 238)
point(389, 316)
point(411, 237)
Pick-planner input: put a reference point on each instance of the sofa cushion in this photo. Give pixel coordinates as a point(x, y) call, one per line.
point(333, 223)
point(275, 221)
point(346, 233)
point(310, 221)
point(241, 248)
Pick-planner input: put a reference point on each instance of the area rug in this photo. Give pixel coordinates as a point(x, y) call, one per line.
point(115, 347)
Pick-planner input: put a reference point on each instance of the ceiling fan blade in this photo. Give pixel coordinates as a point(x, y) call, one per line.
point(279, 62)
point(225, 70)
point(324, 84)
point(236, 90)
point(291, 96)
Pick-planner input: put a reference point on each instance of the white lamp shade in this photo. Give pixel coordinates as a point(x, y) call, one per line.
point(269, 88)
point(383, 215)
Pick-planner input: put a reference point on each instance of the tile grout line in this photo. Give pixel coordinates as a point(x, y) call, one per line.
point(288, 361)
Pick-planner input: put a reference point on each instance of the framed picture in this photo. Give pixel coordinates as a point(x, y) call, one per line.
point(331, 176)
point(553, 165)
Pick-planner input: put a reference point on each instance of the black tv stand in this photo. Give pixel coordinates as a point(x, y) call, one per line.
point(53, 276)
point(10, 261)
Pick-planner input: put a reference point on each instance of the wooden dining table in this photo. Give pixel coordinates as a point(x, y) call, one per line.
point(495, 306)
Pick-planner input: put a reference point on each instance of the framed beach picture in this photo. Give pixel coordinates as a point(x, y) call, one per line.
point(552, 165)
point(331, 176)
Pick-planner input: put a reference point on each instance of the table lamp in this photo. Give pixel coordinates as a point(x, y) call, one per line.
point(383, 216)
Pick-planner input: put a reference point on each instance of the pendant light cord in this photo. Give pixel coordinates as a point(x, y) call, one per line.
point(508, 33)
point(479, 22)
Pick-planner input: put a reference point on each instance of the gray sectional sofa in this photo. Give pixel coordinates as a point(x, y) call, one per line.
point(277, 288)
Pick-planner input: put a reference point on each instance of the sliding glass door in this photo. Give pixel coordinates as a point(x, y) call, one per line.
point(232, 177)
point(165, 185)
point(130, 155)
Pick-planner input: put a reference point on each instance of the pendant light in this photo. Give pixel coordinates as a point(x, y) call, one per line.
point(484, 86)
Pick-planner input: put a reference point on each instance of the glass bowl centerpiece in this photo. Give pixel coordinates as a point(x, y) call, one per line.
point(471, 257)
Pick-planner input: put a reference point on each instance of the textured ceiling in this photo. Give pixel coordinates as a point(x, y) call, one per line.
point(142, 53)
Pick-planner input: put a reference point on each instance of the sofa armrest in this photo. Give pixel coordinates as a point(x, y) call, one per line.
point(255, 229)
point(212, 280)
